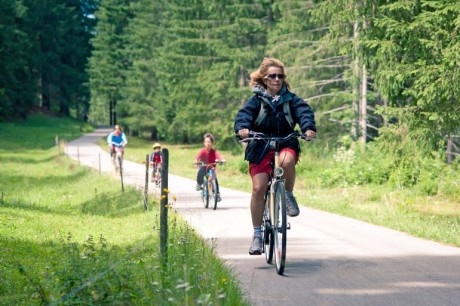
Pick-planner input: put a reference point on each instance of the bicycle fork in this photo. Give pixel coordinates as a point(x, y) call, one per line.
point(272, 204)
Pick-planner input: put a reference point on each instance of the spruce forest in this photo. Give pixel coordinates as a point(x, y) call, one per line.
point(383, 75)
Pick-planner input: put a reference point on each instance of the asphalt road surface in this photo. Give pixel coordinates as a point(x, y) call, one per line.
point(331, 260)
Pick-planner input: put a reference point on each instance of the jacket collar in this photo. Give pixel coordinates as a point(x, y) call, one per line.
point(269, 99)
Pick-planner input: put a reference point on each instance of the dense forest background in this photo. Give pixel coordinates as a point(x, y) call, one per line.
point(382, 72)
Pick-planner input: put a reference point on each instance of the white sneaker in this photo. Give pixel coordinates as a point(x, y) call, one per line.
point(256, 246)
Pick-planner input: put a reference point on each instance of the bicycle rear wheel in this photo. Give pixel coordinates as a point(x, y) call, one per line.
point(279, 227)
point(214, 193)
point(267, 232)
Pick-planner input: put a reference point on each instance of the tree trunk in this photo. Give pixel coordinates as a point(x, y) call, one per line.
point(354, 105)
point(363, 106)
point(450, 147)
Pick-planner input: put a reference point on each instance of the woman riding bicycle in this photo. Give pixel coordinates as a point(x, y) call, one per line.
point(273, 110)
point(207, 155)
point(116, 139)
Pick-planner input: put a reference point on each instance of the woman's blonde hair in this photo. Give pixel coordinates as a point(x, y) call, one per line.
point(257, 77)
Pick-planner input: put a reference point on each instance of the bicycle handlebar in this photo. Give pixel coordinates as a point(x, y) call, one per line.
point(200, 163)
point(262, 136)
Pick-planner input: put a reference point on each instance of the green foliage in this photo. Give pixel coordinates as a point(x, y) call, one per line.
point(17, 85)
point(394, 159)
point(243, 167)
point(109, 60)
point(448, 182)
point(357, 166)
point(44, 51)
point(412, 47)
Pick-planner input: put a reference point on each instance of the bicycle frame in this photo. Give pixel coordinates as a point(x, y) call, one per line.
point(156, 174)
point(118, 157)
point(276, 176)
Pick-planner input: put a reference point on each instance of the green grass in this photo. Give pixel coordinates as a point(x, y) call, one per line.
point(431, 217)
point(70, 236)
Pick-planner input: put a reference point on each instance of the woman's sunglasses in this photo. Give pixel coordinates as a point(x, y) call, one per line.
point(274, 76)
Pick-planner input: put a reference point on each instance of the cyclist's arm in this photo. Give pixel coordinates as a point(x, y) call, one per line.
point(198, 157)
point(125, 140)
point(304, 115)
point(219, 157)
point(109, 139)
point(246, 115)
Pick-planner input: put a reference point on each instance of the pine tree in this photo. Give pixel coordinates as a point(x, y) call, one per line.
point(109, 61)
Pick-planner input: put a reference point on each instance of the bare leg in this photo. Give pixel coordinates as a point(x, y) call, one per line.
point(288, 163)
point(259, 185)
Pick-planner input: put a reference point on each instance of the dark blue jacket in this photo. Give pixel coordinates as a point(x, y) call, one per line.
point(275, 122)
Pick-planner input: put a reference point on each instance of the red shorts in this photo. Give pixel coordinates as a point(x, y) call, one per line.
point(265, 164)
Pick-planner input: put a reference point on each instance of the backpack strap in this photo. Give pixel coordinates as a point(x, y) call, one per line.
point(287, 113)
point(263, 114)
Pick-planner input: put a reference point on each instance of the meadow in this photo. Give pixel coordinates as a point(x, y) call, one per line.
point(70, 236)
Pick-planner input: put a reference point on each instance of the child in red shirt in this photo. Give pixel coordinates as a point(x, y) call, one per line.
point(156, 159)
point(207, 155)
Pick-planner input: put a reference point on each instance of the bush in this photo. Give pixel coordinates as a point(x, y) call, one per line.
point(243, 166)
point(357, 166)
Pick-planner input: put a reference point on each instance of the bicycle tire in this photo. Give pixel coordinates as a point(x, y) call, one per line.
point(267, 235)
point(158, 178)
point(119, 163)
point(280, 227)
point(214, 193)
point(205, 193)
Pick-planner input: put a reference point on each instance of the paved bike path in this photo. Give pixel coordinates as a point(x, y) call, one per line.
point(331, 260)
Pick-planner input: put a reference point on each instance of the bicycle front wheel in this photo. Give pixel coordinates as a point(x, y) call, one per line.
point(205, 193)
point(214, 193)
point(119, 162)
point(279, 227)
point(158, 178)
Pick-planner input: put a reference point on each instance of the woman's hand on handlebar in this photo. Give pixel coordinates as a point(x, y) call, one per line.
point(243, 133)
point(310, 134)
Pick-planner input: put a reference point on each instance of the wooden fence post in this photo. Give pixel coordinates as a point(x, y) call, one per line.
point(164, 209)
point(146, 186)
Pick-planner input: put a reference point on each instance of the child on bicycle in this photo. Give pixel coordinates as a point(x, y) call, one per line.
point(156, 159)
point(207, 155)
point(282, 110)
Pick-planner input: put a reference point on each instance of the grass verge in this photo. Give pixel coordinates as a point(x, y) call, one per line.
point(68, 235)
